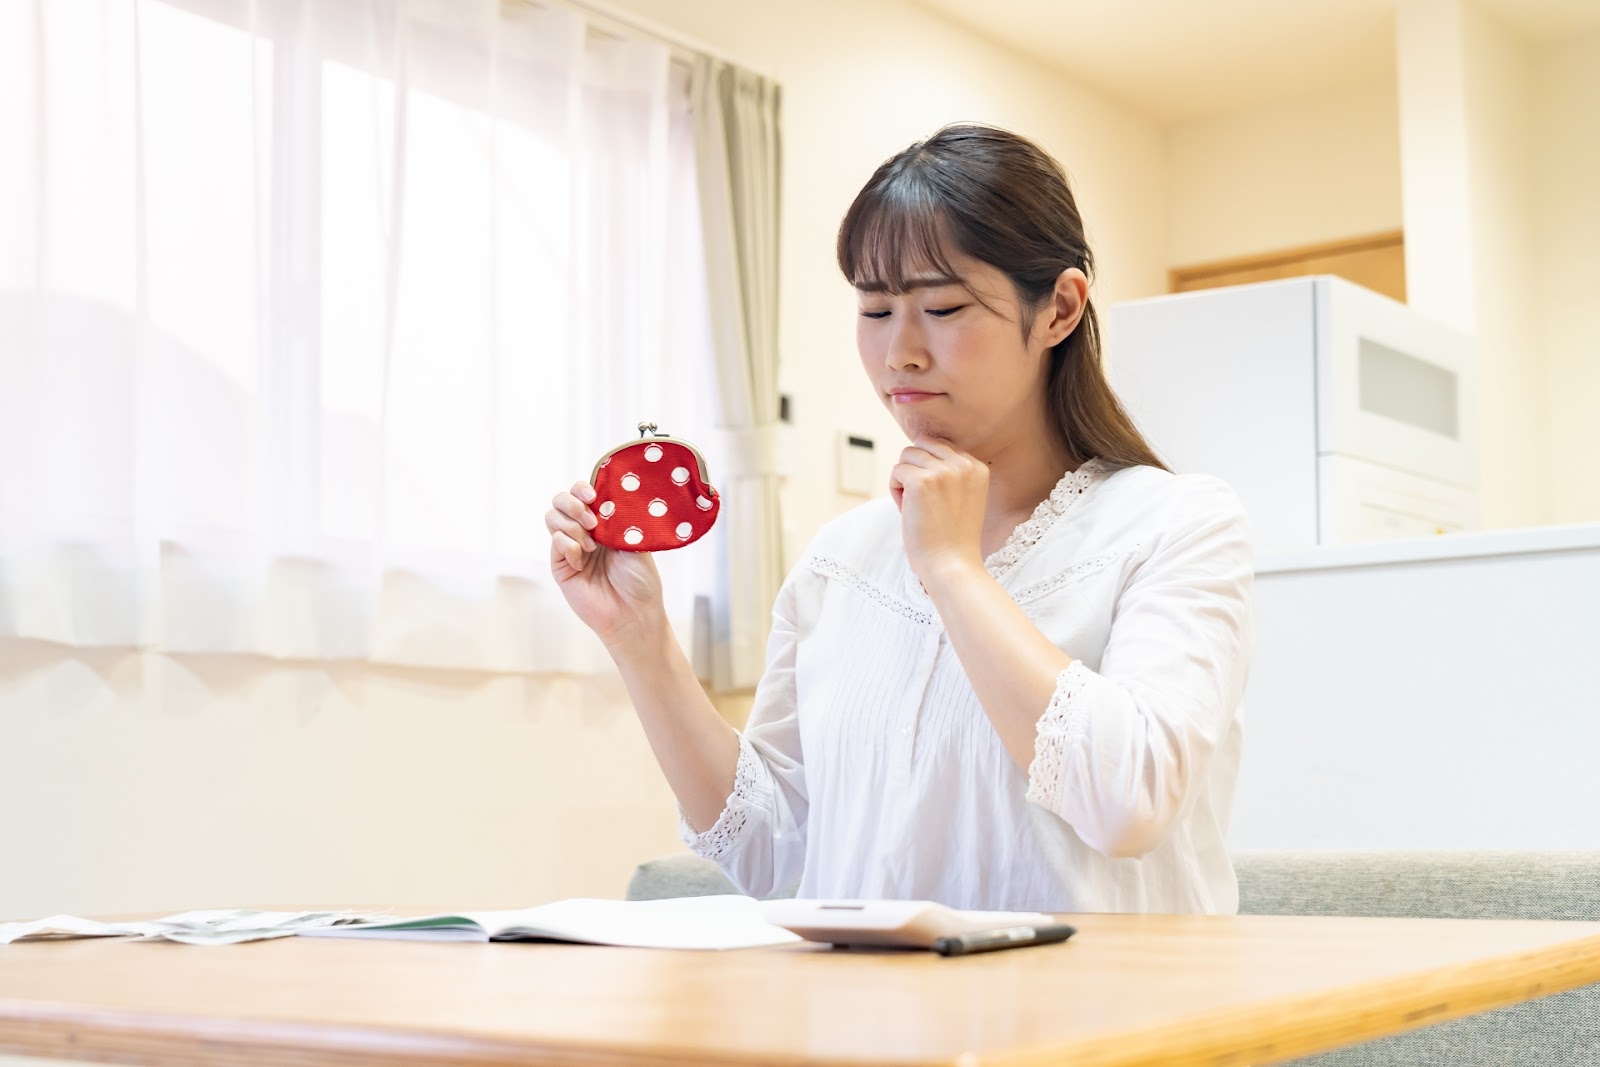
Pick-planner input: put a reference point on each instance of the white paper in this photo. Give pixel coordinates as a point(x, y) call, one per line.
point(713, 922)
point(213, 927)
point(57, 926)
point(230, 928)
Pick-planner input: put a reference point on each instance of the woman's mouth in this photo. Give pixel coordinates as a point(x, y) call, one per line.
point(911, 396)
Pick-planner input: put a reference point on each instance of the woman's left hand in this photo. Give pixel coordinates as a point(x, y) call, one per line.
point(942, 493)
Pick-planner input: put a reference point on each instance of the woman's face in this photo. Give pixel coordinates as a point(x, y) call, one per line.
point(947, 366)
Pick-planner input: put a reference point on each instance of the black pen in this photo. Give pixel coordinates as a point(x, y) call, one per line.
point(1006, 937)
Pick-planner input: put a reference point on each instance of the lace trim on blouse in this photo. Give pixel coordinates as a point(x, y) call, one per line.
point(832, 568)
point(1062, 723)
point(1078, 570)
point(722, 835)
point(1068, 491)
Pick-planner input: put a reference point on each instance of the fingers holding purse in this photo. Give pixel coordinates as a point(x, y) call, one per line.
point(569, 521)
point(613, 593)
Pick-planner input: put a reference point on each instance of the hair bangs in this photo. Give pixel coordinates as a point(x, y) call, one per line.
point(896, 237)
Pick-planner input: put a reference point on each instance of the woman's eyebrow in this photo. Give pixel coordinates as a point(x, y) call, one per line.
point(929, 282)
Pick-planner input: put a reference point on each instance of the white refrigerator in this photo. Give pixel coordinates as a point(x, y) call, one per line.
point(1337, 414)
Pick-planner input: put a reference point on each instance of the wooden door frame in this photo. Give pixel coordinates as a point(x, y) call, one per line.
point(1284, 257)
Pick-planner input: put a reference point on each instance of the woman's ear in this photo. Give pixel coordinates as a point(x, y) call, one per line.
point(1062, 313)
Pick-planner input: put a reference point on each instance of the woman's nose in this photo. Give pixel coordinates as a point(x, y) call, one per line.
point(906, 348)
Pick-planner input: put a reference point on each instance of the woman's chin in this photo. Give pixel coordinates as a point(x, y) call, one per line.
point(915, 426)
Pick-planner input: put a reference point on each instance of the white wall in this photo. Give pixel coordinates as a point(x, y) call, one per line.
point(1294, 172)
point(1435, 161)
point(141, 782)
point(1513, 384)
point(1566, 134)
point(134, 782)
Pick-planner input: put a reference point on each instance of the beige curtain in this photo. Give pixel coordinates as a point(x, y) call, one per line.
point(738, 156)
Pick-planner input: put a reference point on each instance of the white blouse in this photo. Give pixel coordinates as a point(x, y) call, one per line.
point(869, 769)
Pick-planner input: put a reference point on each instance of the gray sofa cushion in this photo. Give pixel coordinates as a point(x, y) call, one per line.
point(1558, 1031)
point(678, 876)
point(684, 876)
point(1437, 885)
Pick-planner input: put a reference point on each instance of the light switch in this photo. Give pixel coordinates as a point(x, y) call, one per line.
point(857, 471)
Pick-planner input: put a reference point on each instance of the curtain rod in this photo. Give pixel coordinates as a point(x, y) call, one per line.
point(682, 46)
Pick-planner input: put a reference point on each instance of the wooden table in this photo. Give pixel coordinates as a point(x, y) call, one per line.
point(1127, 990)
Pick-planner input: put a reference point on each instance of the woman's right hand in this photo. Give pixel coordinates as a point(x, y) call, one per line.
point(616, 594)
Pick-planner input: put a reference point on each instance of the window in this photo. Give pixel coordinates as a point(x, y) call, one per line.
point(305, 319)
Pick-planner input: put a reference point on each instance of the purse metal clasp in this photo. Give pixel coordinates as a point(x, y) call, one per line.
point(646, 428)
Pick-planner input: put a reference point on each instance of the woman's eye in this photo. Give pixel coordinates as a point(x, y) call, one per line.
point(874, 314)
point(943, 312)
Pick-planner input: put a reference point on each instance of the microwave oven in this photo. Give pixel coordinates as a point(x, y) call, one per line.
point(1337, 414)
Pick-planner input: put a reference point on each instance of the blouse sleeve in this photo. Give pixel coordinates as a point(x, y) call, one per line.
point(1119, 750)
point(759, 839)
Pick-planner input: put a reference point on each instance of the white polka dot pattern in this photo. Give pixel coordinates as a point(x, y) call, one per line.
point(608, 509)
point(658, 507)
point(652, 453)
point(680, 475)
point(684, 531)
point(633, 535)
point(630, 481)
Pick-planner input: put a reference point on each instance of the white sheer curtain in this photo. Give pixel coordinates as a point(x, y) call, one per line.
point(308, 308)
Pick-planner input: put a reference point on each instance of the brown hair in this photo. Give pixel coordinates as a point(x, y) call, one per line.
point(999, 198)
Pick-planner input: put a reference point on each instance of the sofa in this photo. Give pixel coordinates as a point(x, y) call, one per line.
point(1557, 1031)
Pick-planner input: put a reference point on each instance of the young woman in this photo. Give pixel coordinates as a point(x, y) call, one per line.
point(1014, 682)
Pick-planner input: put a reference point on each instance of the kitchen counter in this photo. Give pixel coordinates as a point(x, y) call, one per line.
point(1439, 692)
point(1576, 537)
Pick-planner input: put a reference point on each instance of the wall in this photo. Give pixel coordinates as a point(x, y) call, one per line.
point(134, 782)
point(1468, 166)
point(1435, 162)
point(1468, 188)
point(1516, 485)
point(1294, 172)
point(1566, 86)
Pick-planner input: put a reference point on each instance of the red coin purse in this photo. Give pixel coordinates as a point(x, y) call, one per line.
point(652, 494)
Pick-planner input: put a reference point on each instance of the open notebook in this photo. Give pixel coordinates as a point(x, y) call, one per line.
point(716, 922)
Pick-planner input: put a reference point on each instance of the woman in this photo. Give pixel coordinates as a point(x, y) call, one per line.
point(1012, 684)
